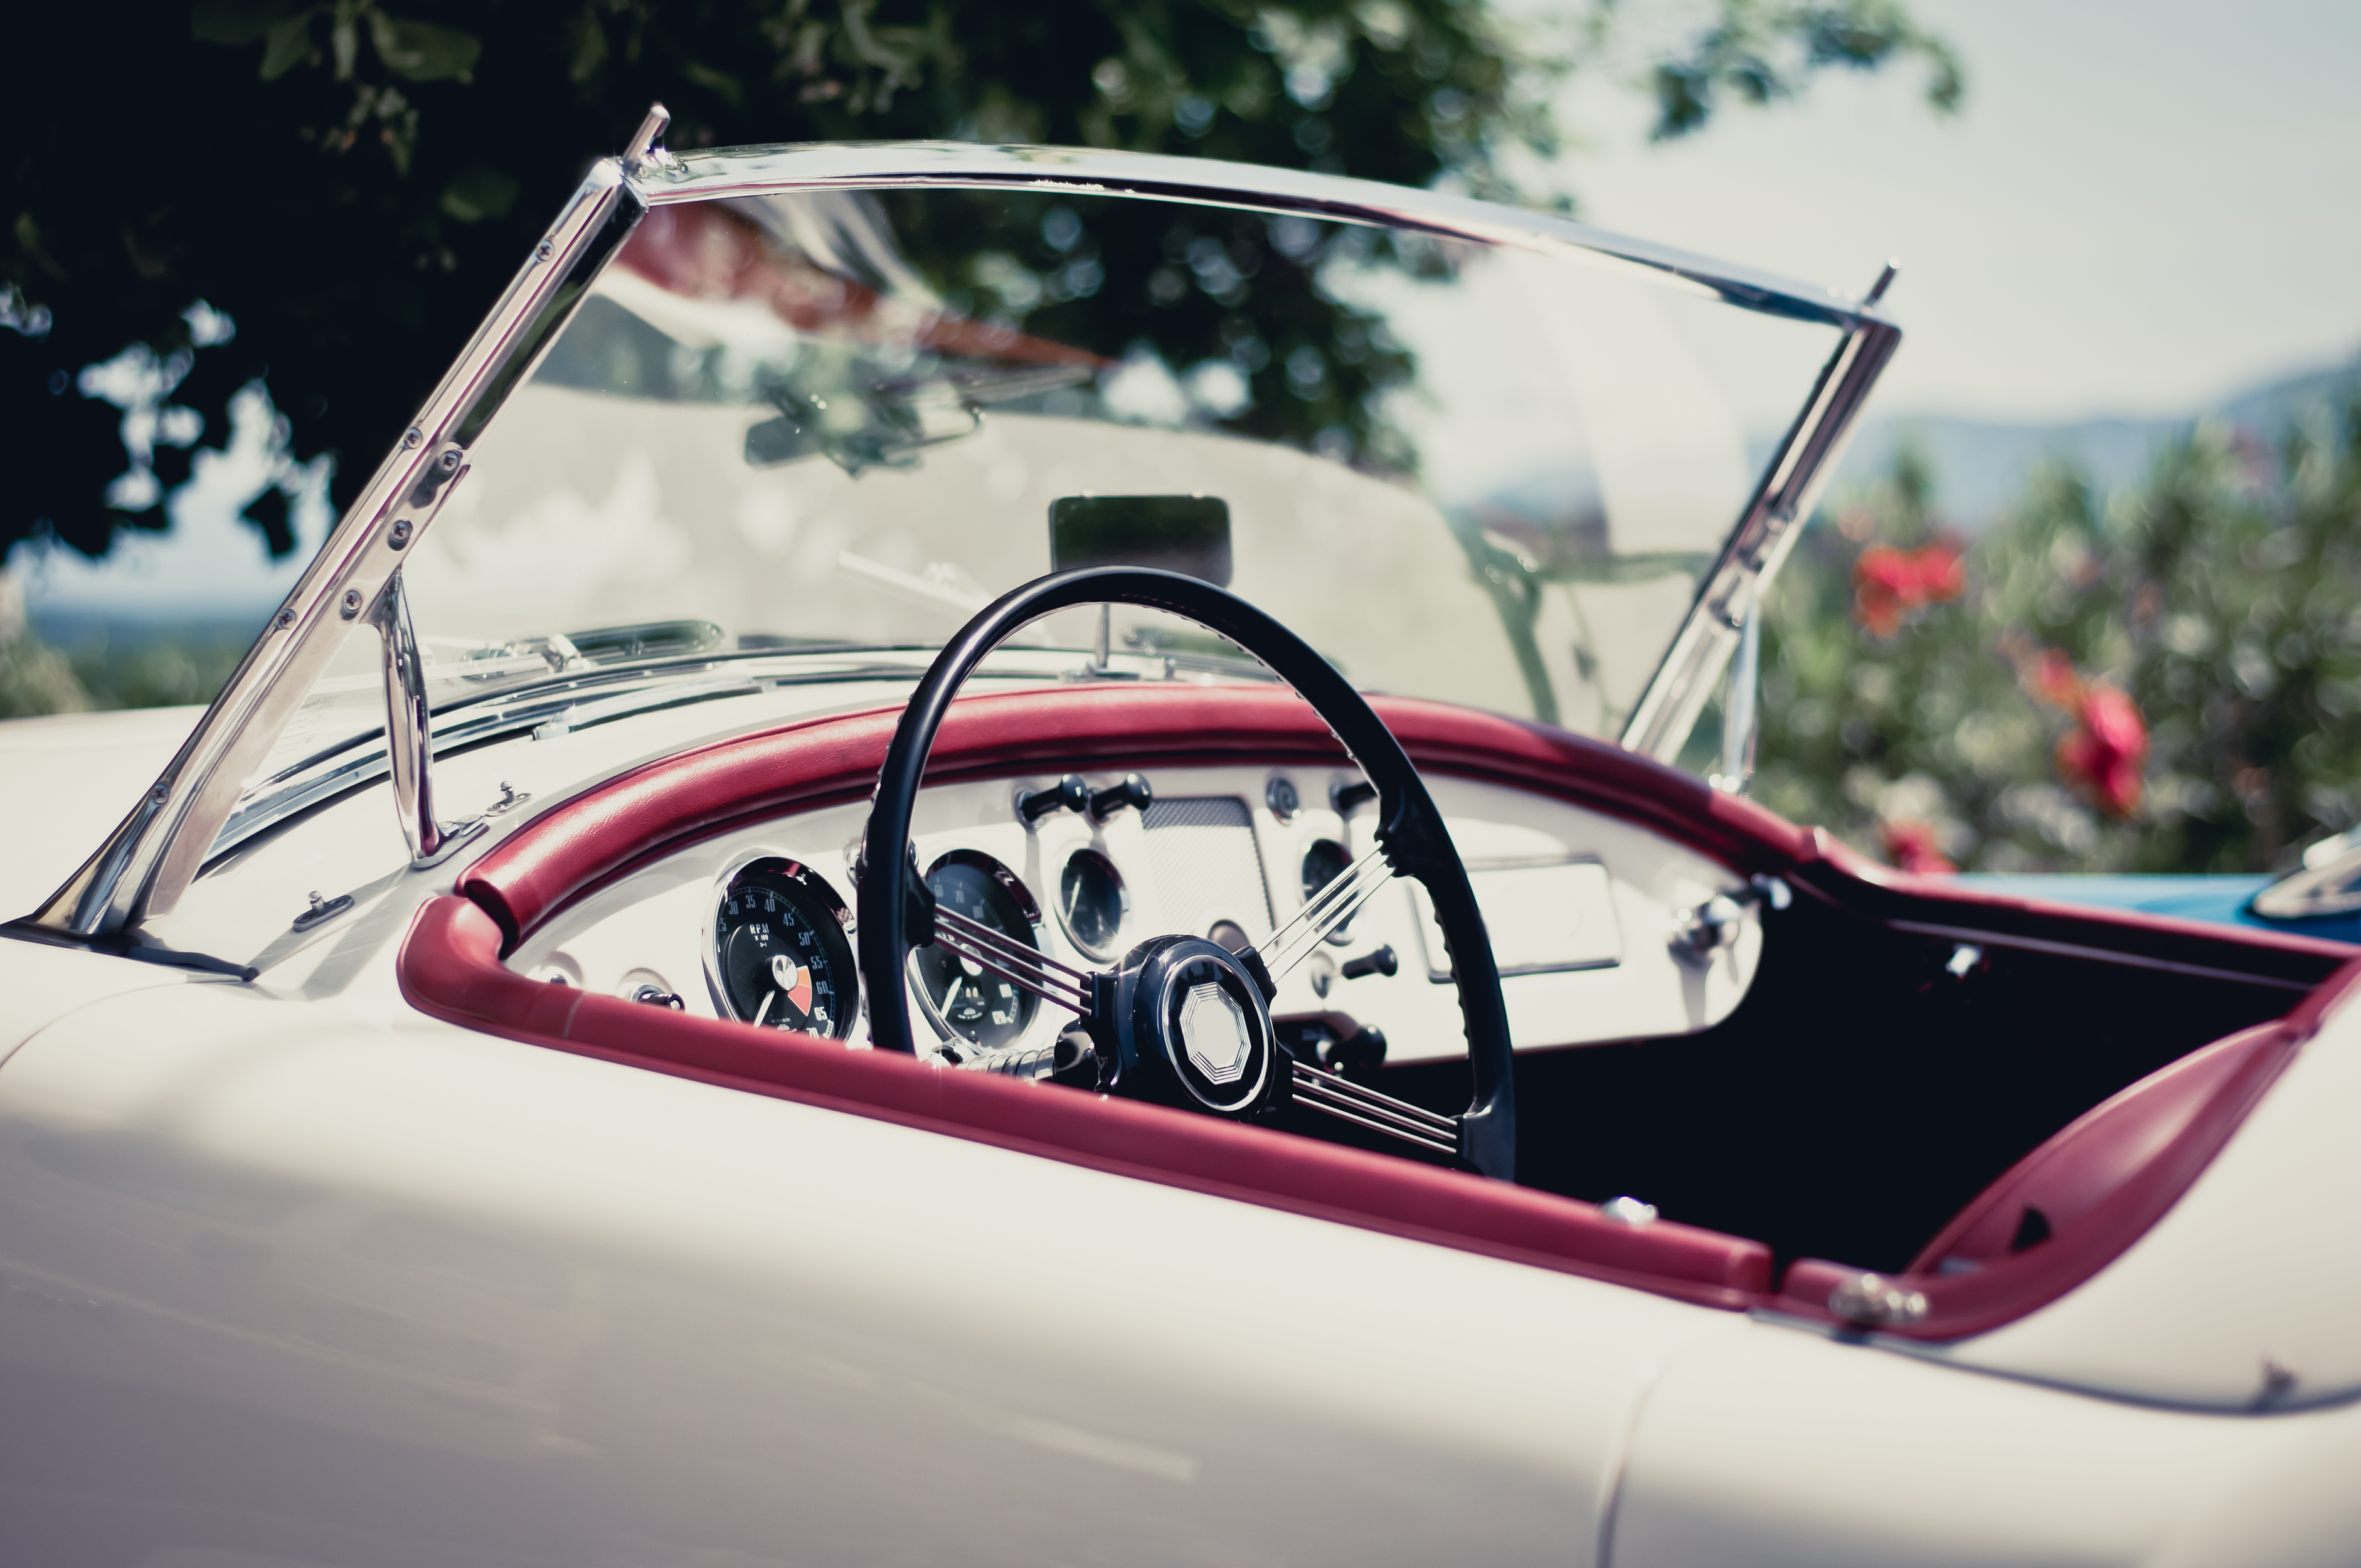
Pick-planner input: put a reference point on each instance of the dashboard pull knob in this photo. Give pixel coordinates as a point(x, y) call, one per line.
point(1377, 961)
point(1343, 798)
point(1068, 794)
point(1133, 792)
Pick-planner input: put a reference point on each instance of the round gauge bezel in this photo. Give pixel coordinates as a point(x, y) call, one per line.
point(775, 863)
point(1106, 951)
point(1027, 905)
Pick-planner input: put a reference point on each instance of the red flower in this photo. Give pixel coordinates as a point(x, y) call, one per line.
point(1943, 574)
point(2106, 751)
point(1888, 582)
point(1912, 846)
point(1884, 585)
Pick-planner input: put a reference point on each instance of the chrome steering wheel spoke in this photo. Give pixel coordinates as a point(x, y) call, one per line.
point(1325, 912)
point(1026, 968)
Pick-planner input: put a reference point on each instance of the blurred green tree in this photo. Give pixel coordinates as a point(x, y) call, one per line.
point(320, 196)
point(2170, 681)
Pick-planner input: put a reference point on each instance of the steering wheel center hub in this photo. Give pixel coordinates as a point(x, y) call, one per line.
point(1197, 1015)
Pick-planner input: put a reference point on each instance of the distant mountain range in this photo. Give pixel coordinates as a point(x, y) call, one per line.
point(1981, 466)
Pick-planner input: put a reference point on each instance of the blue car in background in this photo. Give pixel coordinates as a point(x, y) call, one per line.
point(2322, 899)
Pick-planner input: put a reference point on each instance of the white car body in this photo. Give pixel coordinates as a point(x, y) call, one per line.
point(301, 1269)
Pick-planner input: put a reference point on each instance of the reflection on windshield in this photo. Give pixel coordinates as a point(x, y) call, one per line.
point(844, 418)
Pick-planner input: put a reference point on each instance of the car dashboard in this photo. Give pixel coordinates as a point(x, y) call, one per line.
point(1603, 930)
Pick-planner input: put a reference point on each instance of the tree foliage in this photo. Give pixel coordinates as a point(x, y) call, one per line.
point(321, 198)
point(2202, 628)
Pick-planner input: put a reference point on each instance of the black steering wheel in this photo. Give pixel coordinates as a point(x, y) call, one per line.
point(1182, 1019)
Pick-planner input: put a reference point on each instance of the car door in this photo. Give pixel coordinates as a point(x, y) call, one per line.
point(354, 1287)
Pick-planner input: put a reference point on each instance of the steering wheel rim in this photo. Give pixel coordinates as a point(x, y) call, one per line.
point(1411, 830)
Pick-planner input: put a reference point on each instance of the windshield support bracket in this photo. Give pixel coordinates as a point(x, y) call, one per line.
point(410, 735)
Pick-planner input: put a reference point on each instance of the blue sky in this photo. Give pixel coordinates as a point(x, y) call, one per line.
point(2142, 207)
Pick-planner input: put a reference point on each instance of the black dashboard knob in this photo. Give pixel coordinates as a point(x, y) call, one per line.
point(1377, 961)
point(1132, 791)
point(1068, 794)
point(1365, 1047)
point(1343, 798)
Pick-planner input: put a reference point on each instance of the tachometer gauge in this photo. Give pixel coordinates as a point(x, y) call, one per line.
point(1092, 903)
point(780, 956)
point(964, 999)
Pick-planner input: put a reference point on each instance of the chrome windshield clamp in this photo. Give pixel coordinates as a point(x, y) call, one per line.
point(410, 735)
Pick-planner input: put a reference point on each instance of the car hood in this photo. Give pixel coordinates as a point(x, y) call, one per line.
point(65, 781)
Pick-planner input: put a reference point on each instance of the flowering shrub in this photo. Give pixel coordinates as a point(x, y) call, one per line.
point(2169, 679)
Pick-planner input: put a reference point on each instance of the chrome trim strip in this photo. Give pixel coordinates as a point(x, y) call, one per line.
point(1087, 171)
point(410, 730)
point(2096, 955)
point(147, 862)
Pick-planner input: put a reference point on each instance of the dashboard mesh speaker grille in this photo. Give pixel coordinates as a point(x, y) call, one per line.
point(1207, 865)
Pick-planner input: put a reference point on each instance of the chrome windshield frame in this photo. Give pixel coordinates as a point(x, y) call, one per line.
point(145, 865)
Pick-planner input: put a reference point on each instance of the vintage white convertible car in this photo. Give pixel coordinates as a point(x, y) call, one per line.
point(974, 856)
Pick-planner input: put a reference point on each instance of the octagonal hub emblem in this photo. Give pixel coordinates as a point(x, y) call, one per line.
point(1214, 1034)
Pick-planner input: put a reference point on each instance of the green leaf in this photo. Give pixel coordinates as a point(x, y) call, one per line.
point(421, 52)
point(237, 21)
point(289, 46)
point(477, 193)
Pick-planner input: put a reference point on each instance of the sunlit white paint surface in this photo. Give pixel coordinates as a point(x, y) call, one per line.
point(1780, 1447)
point(346, 1288)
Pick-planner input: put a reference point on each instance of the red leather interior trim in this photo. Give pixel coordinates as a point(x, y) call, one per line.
point(667, 804)
point(450, 967)
point(2100, 1184)
point(2329, 996)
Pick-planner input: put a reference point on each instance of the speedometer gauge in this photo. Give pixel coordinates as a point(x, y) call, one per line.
point(963, 998)
point(780, 958)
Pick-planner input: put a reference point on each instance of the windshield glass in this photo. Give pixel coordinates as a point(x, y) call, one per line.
point(847, 417)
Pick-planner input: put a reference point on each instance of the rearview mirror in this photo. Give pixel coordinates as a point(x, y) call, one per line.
point(1190, 534)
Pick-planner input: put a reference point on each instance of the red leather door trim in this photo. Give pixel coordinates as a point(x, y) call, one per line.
point(2099, 1185)
point(450, 967)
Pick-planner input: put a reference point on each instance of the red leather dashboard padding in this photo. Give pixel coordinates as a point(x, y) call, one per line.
point(663, 805)
point(659, 807)
point(450, 967)
point(2099, 1184)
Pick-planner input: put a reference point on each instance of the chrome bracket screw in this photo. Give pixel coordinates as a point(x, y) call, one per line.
point(352, 605)
point(399, 534)
point(450, 462)
point(285, 618)
point(412, 437)
point(545, 250)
